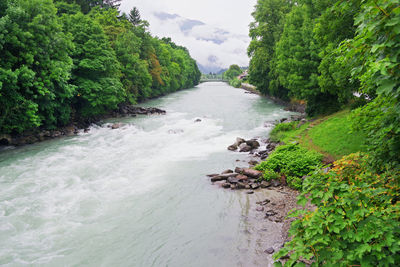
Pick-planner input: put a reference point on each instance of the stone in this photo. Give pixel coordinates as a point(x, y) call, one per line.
point(116, 126)
point(222, 177)
point(240, 186)
point(242, 177)
point(254, 186)
point(232, 180)
point(247, 186)
point(253, 144)
point(227, 171)
point(252, 173)
point(212, 175)
point(197, 120)
point(253, 162)
point(217, 179)
point(226, 185)
point(240, 141)
point(238, 170)
point(233, 187)
point(269, 251)
point(265, 184)
point(260, 209)
point(250, 192)
point(270, 213)
point(232, 147)
point(244, 147)
point(275, 183)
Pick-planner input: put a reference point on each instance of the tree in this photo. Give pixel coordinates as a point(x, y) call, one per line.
point(232, 72)
point(34, 69)
point(96, 73)
point(134, 17)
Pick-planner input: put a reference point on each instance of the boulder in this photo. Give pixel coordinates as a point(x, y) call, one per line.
point(232, 147)
point(212, 175)
point(238, 170)
point(217, 179)
point(244, 148)
point(275, 183)
point(254, 186)
point(250, 192)
point(252, 173)
point(242, 177)
point(253, 162)
point(253, 144)
point(227, 171)
point(232, 180)
point(197, 120)
point(240, 186)
point(226, 185)
point(265, 184)
point(117, 125)
point(240, 141)
point(222, 177)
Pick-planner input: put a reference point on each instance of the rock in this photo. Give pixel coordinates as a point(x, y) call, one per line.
point(117, 125)
point(253, 162)
point(283, 120)
point(86, 130)
point(197, 120)
point(264, 202)
point(269, 124)
point(55, 134)
point(222, 177)
point(217, 179)
point(5, 140)
point(240, 186)
point(260, 209)
point(227, 171)
point(232, 180)
point(232, 147)
point(244, 147)
point(226, 185)
point(240, 141)
point(269, 251)
point(265, 184)
point(253, 144)
point(212, 175)
point(270, 213)
point(238, 170)
point(250, 192)
point(254, 186)
point(233, 187)
point(242, 177)
point(252, 173)
point(275, 183)
point(247, 186)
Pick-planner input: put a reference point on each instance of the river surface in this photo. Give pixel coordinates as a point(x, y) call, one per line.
point(138, 195)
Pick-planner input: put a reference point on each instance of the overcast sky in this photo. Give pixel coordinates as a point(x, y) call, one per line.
point(214, 31)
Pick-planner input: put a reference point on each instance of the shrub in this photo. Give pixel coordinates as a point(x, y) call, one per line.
point(235, 83)
point(356, 222)
point(292, 161)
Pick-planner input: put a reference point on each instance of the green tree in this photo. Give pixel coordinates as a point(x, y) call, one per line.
point(232, 72)
point(34, 68)
point(96, 73)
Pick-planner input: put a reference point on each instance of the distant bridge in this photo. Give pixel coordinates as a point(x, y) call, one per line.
point(213, 80)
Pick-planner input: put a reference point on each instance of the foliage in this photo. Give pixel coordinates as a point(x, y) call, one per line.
point(232, 72)
point(80, 58)
point(235, 83)
point(291, 161)
point(356, 219)
point(34, 67)
point(379, 121)
point(276, 132)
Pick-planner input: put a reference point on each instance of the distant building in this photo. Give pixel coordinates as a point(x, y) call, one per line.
point(244, 75)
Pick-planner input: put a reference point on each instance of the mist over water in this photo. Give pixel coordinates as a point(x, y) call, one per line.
point(138, 195)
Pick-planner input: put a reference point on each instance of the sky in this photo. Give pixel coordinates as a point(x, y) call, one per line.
point(214, 31)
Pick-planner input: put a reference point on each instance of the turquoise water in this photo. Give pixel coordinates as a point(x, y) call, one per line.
point(138, 195)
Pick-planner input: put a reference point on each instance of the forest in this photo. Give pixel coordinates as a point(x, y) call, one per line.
point(335, 56)
point(67, 59)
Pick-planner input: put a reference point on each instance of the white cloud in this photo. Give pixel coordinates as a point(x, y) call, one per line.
point(220, 42)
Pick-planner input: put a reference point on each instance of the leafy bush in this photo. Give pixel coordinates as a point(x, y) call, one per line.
point(292, 161)
point(356, 222)
point(235, 83)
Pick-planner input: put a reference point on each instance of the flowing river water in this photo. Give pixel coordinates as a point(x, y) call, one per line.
point(138, 195)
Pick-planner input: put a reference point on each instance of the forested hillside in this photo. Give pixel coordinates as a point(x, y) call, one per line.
point(68, 59)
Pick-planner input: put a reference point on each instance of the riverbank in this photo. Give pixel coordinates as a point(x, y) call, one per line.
point(75, 127)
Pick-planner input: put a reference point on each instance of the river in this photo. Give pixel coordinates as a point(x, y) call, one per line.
point(138, 195)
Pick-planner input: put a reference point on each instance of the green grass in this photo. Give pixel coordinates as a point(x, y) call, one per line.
point(329, 135)
point(333, 135)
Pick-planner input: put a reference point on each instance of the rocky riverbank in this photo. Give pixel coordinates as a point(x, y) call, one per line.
point(76, 126)
point(270, 201)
